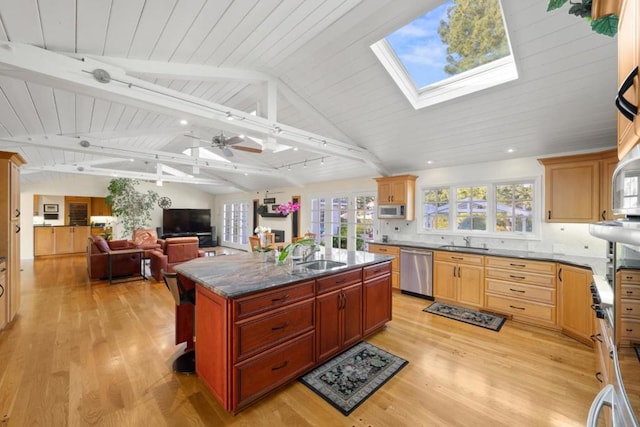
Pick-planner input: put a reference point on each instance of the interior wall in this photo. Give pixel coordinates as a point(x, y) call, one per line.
point(182, 196)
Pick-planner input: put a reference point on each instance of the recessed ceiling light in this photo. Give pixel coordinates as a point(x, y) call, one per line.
point(295, 148)
point(429, 162)
point(183, 122)
point(511, 150)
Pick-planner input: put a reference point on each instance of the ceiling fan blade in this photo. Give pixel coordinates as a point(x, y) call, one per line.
point(233, 140)
point(226, 151)
point(248, 149)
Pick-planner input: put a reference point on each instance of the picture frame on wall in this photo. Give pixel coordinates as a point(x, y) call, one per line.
point(50, 208)
point(268, 200)
point(274, 207)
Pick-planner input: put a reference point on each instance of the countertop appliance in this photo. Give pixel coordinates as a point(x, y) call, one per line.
point(416, 272)
point(391, 211)
point(623, 237)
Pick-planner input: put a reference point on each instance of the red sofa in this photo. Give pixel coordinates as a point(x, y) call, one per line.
point(98, 258)
point(173, 251)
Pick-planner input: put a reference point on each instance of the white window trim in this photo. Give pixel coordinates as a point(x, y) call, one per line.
point(249, 231)
point(490, 232)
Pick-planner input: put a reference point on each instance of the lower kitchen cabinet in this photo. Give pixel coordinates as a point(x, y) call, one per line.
point(60, 240)
point(522, 288)
point(395, 263)
point(627, 310)
point(376, 291)
point(458, 278)
point(338, 316)
point(574, 313)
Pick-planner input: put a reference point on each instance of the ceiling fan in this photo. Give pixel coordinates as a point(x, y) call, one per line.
point(224, 143)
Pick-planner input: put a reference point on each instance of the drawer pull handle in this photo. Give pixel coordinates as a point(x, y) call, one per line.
point(340, 281)
point(599, 376)
point(629, 309)
point(629, 330)
point(629, 292)
point(517, 265)
point(1, 289)
point(517, 277)
point(3, 270)
point(517, 290)
point(283, 298)
point(457, 258)
point(596, 337)
point(280, 366)
point(517, 308)
point(629, 277)
point(284, 325)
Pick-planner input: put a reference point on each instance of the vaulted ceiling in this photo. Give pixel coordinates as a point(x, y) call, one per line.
point(100, 87)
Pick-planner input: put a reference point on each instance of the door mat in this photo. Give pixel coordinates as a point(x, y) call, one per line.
point(484, 320)
point(350, 378)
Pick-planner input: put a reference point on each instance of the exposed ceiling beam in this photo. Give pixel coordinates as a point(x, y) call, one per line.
point(87, 77)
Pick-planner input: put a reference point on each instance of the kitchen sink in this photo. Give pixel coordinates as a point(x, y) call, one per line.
point(323, 264)
point(463, 248)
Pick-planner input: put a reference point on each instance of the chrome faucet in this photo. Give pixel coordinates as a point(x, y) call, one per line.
point(467, 241)
point(310, 252)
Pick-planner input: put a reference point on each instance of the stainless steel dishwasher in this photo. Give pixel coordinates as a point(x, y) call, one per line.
point(416, 272)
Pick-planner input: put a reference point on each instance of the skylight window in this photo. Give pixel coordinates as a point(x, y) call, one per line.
point(457, 48)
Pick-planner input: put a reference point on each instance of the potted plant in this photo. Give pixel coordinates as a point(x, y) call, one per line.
point(131, 207)
point(601, 14)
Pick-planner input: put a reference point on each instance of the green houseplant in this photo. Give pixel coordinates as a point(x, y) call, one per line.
point(131, 207)
point(607, 25)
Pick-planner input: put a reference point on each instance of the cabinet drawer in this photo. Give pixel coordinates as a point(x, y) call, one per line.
point(336, 281)
point(630, 291)
point(384, 249)
point(273, 328)
point(630, 276)
point(630, 329)
point(515, 290)
point(521, 310)
point(372, 271)
point(263, 373)
point(521, 277)
point(266, 301)
point(630, 308)
point(540, 267)
point(458, 257)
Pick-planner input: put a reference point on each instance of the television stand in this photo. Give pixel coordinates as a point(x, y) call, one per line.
point(205, 240)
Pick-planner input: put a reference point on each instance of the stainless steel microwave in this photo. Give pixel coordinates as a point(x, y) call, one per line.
point(391, 211)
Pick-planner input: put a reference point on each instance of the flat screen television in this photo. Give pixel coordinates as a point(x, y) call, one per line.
point(176, 221)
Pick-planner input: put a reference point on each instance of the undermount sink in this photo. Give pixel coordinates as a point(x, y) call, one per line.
point(464, 248)
point(323, 264)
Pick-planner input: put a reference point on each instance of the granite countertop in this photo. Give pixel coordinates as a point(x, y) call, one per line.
point(597, 264)
point(234, 276)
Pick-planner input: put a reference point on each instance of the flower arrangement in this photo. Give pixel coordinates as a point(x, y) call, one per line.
point(286, 208)
point(261, 230)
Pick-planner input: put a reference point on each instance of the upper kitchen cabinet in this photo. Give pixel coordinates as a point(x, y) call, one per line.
point(99, 207)
point(629, 86)
point(578, 187)
point(398, 190)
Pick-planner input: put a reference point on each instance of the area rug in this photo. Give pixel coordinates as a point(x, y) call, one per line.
point(466, 315)
point(350, 378)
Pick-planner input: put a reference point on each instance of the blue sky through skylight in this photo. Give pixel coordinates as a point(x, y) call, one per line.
point(418, 46)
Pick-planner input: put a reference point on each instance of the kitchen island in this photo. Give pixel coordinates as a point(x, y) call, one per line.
point(260, 325)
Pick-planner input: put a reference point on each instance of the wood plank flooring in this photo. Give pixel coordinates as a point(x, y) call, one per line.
point(85, 354)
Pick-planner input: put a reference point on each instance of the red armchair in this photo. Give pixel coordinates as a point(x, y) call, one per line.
point(173, 251)
point(98, 258)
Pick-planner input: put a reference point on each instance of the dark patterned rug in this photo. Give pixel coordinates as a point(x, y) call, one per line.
point(350, 378)
point(466, 315)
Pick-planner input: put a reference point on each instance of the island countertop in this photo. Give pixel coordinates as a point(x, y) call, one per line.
point(234, 276)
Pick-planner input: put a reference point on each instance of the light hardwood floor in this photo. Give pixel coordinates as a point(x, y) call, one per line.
point(83, 353)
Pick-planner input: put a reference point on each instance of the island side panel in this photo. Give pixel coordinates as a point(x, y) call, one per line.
point(212, 344)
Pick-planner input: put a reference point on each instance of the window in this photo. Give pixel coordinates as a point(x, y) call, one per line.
point(346, 222)
point(457, 48)
point(514, 207)
point(436, 209)
point(235, 222)
point(504, 207)
point(471, 208)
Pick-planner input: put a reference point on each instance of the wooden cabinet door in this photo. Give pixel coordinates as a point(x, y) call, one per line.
point(63, 240)
point(377, 303)
point(384, 193)
point(328, 331)
point(80, 238)
point(575, 312)
point(4, 294)
point(43, 241)
point(351, 322)
point(470, 285)
point(444, 280)
point(628, 59)
point(572, 192)
point(99, 207)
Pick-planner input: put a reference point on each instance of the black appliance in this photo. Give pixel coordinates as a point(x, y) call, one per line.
point(180, 221)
